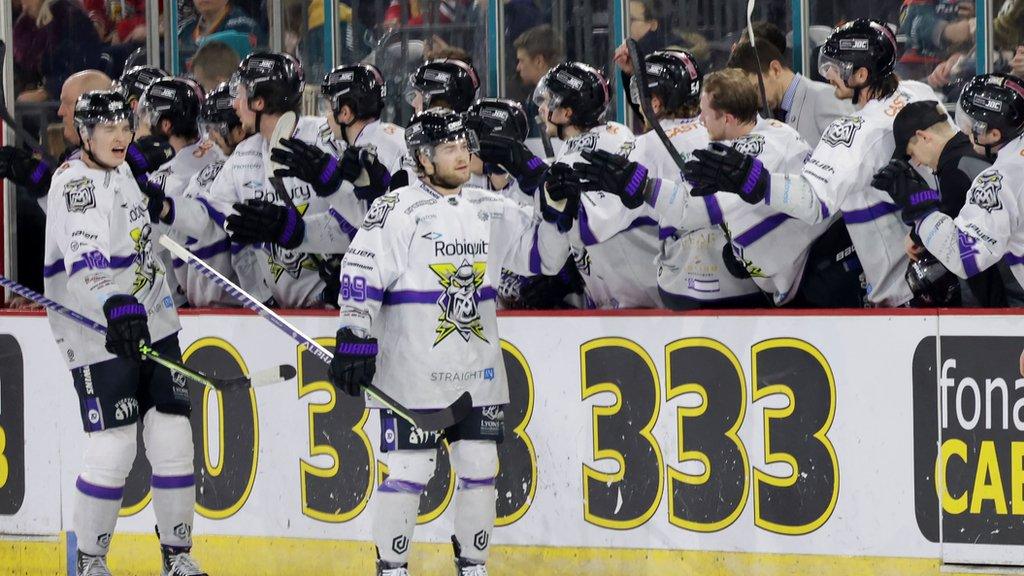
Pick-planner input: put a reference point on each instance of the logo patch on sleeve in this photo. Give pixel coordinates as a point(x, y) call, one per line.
point(80, 195)
point(841, 131)
point(985, 192)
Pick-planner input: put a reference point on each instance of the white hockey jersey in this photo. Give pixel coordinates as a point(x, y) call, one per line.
point(690, 260)
point(990, 226)
point(614, 247)
point(421, 276)
point(293, 276)
point(773, 247)
point(512, 191)
point(837, 178)
point(99, 242)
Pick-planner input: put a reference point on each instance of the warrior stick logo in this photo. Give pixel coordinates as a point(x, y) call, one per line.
point(459, 300)
point(80, 195)
point(379, 211)
point(985, 192)
point(841, 131)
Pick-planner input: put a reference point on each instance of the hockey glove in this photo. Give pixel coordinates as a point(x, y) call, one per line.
point(516, 158)
point(722, 168)
point(156, 200)
point(549, 292)
point(615, 174)
point(361, 167)
point(330, 273)
point(310, 164)
point(147, 154)
point(908, 190)
point(560, 201)
point(127, 328)
point(259, 221)
point(354, 362)
point(24, 169)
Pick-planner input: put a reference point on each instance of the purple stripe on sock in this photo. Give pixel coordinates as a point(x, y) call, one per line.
point(170, 482)
point(470, 483)
point(393, 486)
point(101, 492)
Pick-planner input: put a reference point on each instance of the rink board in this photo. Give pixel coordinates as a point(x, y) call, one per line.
point(763, 444)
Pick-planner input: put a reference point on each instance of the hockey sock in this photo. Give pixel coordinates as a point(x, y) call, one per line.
point(99, 489)
point(474, 516)
point(398, 500)
point(168, 440)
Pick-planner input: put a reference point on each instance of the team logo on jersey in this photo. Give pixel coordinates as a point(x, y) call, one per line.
point(459, 300)
point(146, 266)
point(985, 192)
point(80, 195)
point(209, 173)
point(842, 130)
point(379, 211)
point(751, 145)
point(583, 143)
point(293, 263)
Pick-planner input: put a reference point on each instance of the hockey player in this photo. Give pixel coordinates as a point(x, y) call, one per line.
point(170, 108)
point(267, 85)
point(134, 81)
point(502, 121)
point(989, 226)
point(858, 60)
point(769, 247)
point(99, 250)
point(219, 121)
point(614, 248)
point(445, 82)
point(420, 277)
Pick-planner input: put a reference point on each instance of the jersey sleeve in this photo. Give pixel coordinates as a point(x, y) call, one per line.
point(377, 257)
point(675, 209)
point(531, 245)
point(222, 196)
point(327, 233)
point(84, 240)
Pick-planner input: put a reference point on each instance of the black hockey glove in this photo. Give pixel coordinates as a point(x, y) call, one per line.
point(549, 292)
point(259, 221)
point(156, 199)
point(330, 274)
point(354, 363)
point(127, 328)
point(615, 174)
point(24, 169)
point(908, 190)
point(147, 154)
point(515, 158)
point(361, 167)
point(310, 164)
point(560, 201)
point(722, 168)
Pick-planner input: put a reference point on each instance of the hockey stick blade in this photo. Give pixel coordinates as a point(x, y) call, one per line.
point(8, 119)
point(266, 377)
point(640, 78)
point(430, 420)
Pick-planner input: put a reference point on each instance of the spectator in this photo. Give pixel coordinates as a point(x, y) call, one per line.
point(1017, 64)
point(213, 16)
point(1008, 25)
point(537, 50)
point(804, 104)
point(520, 16)
point(118, 21)
point(53, 39)
point(646, 26)
point(214, 63)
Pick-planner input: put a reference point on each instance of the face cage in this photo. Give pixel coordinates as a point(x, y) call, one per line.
point(827, 63)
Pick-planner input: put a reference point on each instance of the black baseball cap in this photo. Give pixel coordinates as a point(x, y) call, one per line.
point(915, 116)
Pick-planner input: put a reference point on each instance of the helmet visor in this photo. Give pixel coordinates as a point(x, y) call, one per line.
point(830, 66)
point(968, 125)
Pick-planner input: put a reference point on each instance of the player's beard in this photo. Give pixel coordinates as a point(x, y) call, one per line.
point(450, 181)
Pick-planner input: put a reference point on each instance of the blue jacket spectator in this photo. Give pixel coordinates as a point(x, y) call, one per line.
point(211, 17)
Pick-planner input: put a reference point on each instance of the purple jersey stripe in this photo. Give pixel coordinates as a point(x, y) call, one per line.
point(714, 210)
point(870, 213)
point(760, 230)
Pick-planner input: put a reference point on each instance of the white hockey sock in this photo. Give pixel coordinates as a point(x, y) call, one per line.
point(474, 517)
point(395, 518)
point(95, 515)
point(174, 499)
point(168, 440)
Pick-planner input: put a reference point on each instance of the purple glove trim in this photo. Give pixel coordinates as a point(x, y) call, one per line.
point(127, 310)
point(923, 197)
point(329, 170)
point(289, 227)
point(137, 157)
point(636, 183)
point(752, 177)
point(42, 169)
point(358, 349)
point(534, 163)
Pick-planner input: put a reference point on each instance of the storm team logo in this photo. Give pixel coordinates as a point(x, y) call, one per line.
point(146, 266)
point(985, 192)
point(80, 195)
point(378, 213)
point(751, 145)
point(841, 131)
point(459, 300)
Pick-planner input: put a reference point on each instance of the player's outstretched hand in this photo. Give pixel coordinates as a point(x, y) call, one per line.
point(147, 154)
point(259, 221)
point(525, 166)
point(908, 190)
point(308, 163)
point(722, 168)
point(24, 169)
point(126, 326)
point(615, 174)
point(354, 363)
point(560, 201)
point(361, 167)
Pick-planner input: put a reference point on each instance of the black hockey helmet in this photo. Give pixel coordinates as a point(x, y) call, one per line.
point(176, 99)
point(861, 43)
point(498, 116)
point(134, 81)
point(447, 80)
point(578, 86)
point(217, 112)
point(360, 86)
point(673, 76)
point(434, 127)
point(276, 77)
point(992, 101)
point(101, 107)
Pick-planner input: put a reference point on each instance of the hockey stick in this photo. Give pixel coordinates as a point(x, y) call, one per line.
point(263, 378)
point(433, 420)
point(5, 114)
point(545, 140)
point(757, 60)
point(640, 81)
